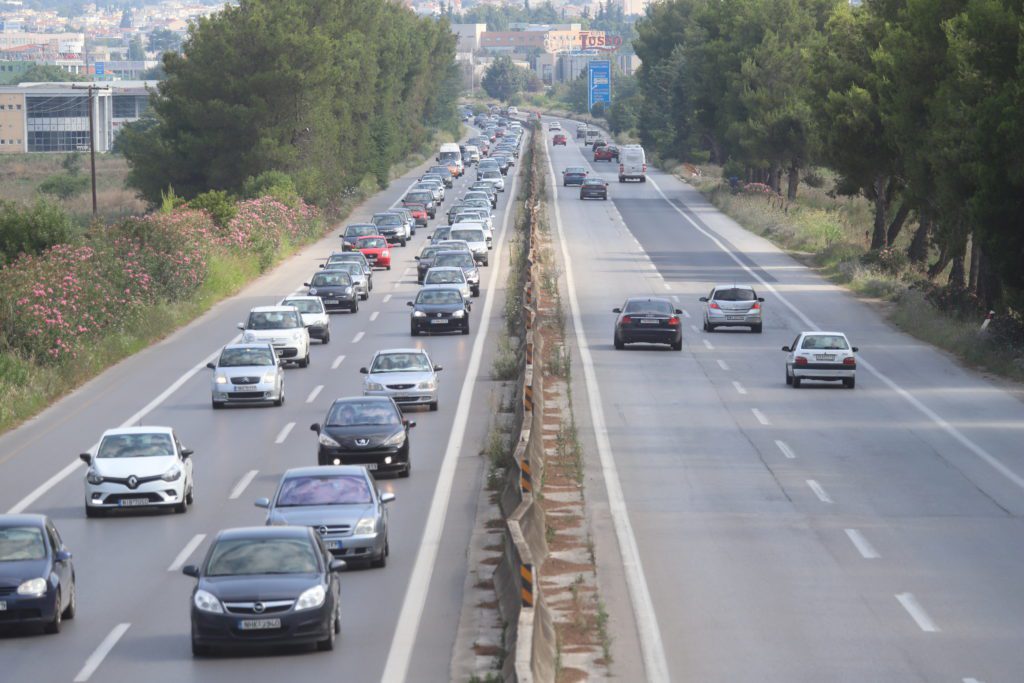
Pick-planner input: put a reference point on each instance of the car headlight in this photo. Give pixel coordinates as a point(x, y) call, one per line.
point(396, 440)
point(458, 314)
point(221, 379)
point(348, 290)
point(310, 599)
point(385, 253)
point(366, 526)
point(312, 290)
point(33, 587)
point(374, 386)
point(325, 440)
point(206, 602)
point(268, 378)
point(428, 384)
point(94, 477)
point(173, 474)
point(419, 314)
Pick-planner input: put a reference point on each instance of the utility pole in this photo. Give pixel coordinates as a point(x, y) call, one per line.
point(92, 88)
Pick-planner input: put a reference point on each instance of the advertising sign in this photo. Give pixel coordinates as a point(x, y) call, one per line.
point(599, 41)
point(599, 83)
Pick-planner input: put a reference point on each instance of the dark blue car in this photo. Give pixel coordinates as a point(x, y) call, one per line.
point(37, 579)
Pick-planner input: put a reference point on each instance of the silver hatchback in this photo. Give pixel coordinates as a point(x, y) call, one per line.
point(406, 375)
point(247, 373)
point(732, 306)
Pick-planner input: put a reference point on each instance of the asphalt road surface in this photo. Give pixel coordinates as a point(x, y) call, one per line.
point(133, 602)
point(773, 534)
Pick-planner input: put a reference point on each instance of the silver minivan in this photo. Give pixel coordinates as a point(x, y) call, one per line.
point(632, 163)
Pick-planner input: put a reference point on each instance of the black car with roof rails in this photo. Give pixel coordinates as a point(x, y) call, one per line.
point(445, 173)
point(439, 309)
point(365, 430)
point(650, 320)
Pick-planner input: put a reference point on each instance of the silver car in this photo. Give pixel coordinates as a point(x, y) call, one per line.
point(342, 503)
point(357, 257)
point(732, 306)
point(406, 375)
point(447, 277)
point(474, 236)
point(247, 373)
point(360, 280)
point(314, 315)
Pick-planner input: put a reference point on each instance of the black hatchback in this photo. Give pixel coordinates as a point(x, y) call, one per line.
point(365, 430)
point(439, 310)
point(650, 320)
point(37, 579)
point(336, 289)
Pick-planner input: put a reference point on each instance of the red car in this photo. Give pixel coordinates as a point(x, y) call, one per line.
point(376, 250)
point(419, 213)
point(558, 139)
point(606, 153)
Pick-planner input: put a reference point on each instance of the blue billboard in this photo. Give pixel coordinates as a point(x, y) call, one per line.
point(599, 83)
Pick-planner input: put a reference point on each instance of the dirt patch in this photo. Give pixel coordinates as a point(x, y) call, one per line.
point(554, 566)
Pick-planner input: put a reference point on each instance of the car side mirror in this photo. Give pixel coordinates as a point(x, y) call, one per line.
point(364, 371)
point(186, 452)
point(678, 312)
point(190, 570)
point(409, 303)
point(240, 326)
point(211, 365)
point(338, 565)
point(854, 349)
point(760, 299)
point(320, 266)
point(262, 502)
point(438, 368)
point(416, 257)
point(62, 556)
point(387, 497)
point(315, 427)
point(786, 349)
point(616, 310)
point(703, 298)
point(409, 423)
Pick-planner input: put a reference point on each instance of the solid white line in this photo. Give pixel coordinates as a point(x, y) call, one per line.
point(819, 491)
point(283, 434)
point(313, 394)
point(786, 450)
point(387, 298)
point(760, 417)
point(22, 504)
point(917, 612)
point(709, 345)
point(374, 315)
point(98, 655)
point(980, 452)
point(396, 668)
point(359, 335)
point(722, 364)
point(242, 484)
point(863, 546)
point(337, 361)
point(186, 552)
point(651, 645)
point(739, 388)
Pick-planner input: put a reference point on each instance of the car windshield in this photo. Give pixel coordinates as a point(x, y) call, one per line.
point(372, 243)
point(655, 307)
point(444, 277)
point(305, 305)
point(355, 413)
point(440, 234)
point(21, 543)
point(249, 556)
point(575, 171)
point(135, 446)
point(350, 257)
point(491, 174)
point(400, 362)
point(439, 297)
point(825, 342)
point(240, 358)
point(332, 490)
point(468, 235)
point(273, 320)
point(441, 170)
point(457, 259)
point(333, 278)
point(734, 294)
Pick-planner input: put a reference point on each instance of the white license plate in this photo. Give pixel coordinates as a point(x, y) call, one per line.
point(131, 502)
point(734, 317)
point(330, 301)
point(371, 466)
point(3, 606)
point(258, 624)
point(825, 357)
point(648, 322)
point(247, 388)
point(439, 321)
point(333, 545)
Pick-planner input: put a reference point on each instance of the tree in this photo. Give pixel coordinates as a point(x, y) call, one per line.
point(503, 79)
point(47, 73)
point(136, 52)
point(164, 40)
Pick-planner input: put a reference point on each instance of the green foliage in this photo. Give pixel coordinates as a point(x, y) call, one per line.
point(47, 73)
point(218, 203)
point(503, 79)
point(72, 163)
point(31, 229)
point(276, 184)
point(64, 185)
point(163, 40)
point(170, 201)
point(136, 51)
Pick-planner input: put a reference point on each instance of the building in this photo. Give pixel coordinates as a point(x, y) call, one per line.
point(54, 117)
point(469, 36)
point(544, 39)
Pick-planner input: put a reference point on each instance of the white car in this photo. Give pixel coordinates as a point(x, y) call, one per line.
point(314, 315)
point(825, 356)
point(138, 467)
point(447, 277)
point(494, 177)
point(555, 125)
point(282, 327)
point(475, 237)
point(474, 154)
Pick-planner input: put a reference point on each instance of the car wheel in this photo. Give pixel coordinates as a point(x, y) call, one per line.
point(708, 327)
point(190, 495)
point(181, 508)
point(404, 474)
point(72, 608)
point(789, 378)
point(54, 625)
point(355, 307)
point(433, 406)
point(465, 328)
point(327, 644)
point(621, 179)
point(93, 513)
point(475, 291)
point(388, 267)
point(850, 383)
point(643, 179)
point(216, 405)
point(486, 263)
point(618, 343)
point(796, 382)
point(413, 331)
point(403, 244)
point(678, 345)
point(605, 197)
point(199, 650)
point(756, 329)
point(326, 339)
point(382, 560)
point(304, 363)
point(365, 295)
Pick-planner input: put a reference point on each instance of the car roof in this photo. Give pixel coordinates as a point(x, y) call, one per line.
point(272, 309)
point(117, 431)
point(822, 333)
point(321, 470)
point(440, 268)
point(301, 297)
point(23, 519)
point(245, 532)
point(410, 351)
point(659, 299)
point(363, 399)
point(248, 345)
point(574, 169)
point(734, 286)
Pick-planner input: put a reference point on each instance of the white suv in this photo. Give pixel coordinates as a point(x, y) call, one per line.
point(138, 467)
point(282, 327)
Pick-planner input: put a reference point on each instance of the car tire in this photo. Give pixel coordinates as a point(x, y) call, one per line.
point(382, 560)
point(413, 331)
point(404, 474)
point(789, 378)
point(180, 508)
point(388, 267)
point(190, 495)
point(72, 608)
point(433, 406)
point(93, 513)
point(619, 343)
point(53, 626)
point(621, 179)
point(199, 650)
point(677, 346)
point(486, 262)
point(355, 307)
point(304, 363)
point(708, 327)
point(326, 339)
point(364, 296)
point(216, 405)
point(403, 244)
point(475, 292)
point(643, 179)
point(465, 328)
point(850, 383)
point(756, 329)
point(796, 382)
point(327, 644)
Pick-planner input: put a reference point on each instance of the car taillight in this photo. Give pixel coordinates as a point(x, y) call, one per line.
point(756, 306)
point(714, 306)
point(626, 320)
point(673, 322)
point(850, 361)
point(800, 360)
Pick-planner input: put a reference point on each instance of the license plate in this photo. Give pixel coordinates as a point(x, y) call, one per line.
point(3, 606)
point(258, 624)
point(246, 388)
point(371, 466)
point(129, 502)
point(648, 322)
point(825, 356)
point(734, 317)
point(439, 321)
point(333, 545)
point(330, 301)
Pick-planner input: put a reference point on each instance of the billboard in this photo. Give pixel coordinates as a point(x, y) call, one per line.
point(599, 83)
point(599, 41)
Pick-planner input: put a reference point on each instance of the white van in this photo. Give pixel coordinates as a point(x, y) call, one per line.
point(632, 163)
point(451, 156)
point(591, 136)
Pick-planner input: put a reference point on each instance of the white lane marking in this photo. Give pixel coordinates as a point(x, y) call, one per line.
point(337, 361)
point(387, 298)
point(100, 653)
point(651, 645)
point(374, 315)
point(359, 335)
point(41, 490)
point(694, 328)
point(396, 668)
point(686, 314)
point(819, 491)
point(186, 552)
point(285, 431)
point(242, 484)
point(972, 680)
point(786, 450)
point(722, 364)
point(863, 545)
point(739, 388)
point(917, 613)
point(760, 417)
point(984, 455)
point(668, 286)
point(407, 271)
point(709, 345)
point(313, 394)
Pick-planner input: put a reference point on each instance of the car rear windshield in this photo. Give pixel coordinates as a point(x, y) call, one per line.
point(737, 294)
point(333, 278)
point(444, 277)
point(825, 342)
point(358, 230)
point(468, 235)
point(273, 320)
point(351, 267)
point(656, 307)
point(18, 543)
point(420, 197)
point(240, 358)
point(357, 413)
point(333, 490)
point(460, 259)
point(439, 297)
point(400, 362)
point(387, 219)
point(135, 446)
point(243, 557)
point(311, 305)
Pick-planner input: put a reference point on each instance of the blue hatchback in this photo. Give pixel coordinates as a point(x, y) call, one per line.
point(37, 579)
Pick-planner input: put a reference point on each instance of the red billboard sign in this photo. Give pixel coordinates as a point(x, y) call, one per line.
point(600, 41)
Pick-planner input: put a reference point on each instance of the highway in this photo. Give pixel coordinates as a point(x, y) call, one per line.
point(772, 534)
point(133, 602)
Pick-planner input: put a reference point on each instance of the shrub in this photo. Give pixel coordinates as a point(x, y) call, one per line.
point(276, 184)
point(813, 178)
point(733, 169)
point(64, 185)
point(30, 230)
point(888, 260)
point(218, 203)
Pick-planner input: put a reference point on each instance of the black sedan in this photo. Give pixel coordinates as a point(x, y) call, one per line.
point(365, 430)
point(260, 586)
point(650, 320)
point(37, 579)
point(336, 289)
point(439, 310)
point(594, 188)
point(573, 175)
point(354, 232)
point(425, 260)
